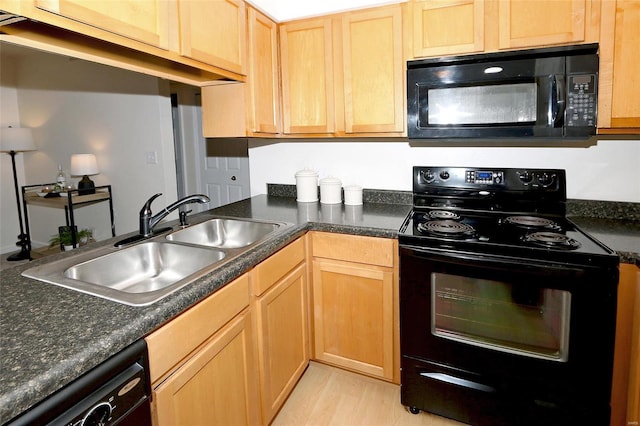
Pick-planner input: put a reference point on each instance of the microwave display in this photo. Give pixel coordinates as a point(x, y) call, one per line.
point(477, 105)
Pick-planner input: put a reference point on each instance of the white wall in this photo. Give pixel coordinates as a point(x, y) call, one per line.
point(81, 107)
point(608, 171)
point(287, 10)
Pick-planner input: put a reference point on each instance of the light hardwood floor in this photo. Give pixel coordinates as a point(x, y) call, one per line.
point(328, 396)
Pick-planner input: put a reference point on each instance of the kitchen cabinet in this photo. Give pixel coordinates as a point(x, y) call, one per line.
point(202, 362)
point(213, 32)
point(355, 303)
point(280, 304)
point(625, 393)
point(619, 88)
point(307, 67)
point(447, 27)
point(145, 21)
point(253, 108)
point(343, 75)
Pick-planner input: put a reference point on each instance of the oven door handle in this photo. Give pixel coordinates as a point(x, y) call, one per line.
point(441, 377)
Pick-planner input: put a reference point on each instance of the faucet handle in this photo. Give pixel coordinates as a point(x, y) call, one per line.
point(146, 209)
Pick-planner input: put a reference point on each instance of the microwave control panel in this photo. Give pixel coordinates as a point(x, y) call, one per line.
point(581, 100)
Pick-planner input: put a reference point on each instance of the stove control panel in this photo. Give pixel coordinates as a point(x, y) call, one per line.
point(429, 180)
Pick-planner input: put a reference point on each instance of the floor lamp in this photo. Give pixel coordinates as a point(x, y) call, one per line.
point(12, 141)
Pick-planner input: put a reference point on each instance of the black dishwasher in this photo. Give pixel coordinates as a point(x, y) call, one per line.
point(116, 392)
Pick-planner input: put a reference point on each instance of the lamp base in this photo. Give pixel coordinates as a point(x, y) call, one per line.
point(86, 186)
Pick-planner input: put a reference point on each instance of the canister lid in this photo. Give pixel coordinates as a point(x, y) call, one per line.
point(330, 180)
point(307, 173)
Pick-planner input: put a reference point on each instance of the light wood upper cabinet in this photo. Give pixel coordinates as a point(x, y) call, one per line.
point(145, 21)
point(263, 74)
point(307, 70)
point(355, 303)
point(281, 307)
point(526, 23)
point(447, 27)
point(343, 75)
point(619, 88)
point(213, 32)
point(373, 67)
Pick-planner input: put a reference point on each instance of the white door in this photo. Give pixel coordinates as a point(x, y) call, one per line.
point(226, 171)
point(218, 168)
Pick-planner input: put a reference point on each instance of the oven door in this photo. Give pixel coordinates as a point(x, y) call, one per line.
point(483, 325)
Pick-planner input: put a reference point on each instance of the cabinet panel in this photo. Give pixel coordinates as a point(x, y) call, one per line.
point(447, 27)
point(619, 89)
point(263, 74)
point(215, 386)
point(352, 248)
point(373, 71)
point(307, 77)
point(283, 340)
point(353, 316)
point(277, 266)
point(145, 21)
point(525, 23)
point(214, 32)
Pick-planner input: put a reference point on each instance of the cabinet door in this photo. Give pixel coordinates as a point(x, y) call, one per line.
point(307, 77)
point(619, 88)
point(263, 75)
point(145, 21)
point(353, 316)
point(213, 32)
point(447, 27)
point(283, 340)
point(373, 66)
point(216, 386)
point(525, 23)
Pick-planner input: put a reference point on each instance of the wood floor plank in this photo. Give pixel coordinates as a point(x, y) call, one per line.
point(328, 396)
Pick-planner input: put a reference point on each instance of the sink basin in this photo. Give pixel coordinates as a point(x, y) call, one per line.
point(225, 233)
point(137, 275)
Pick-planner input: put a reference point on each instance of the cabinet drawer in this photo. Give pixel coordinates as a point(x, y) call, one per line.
point(174, 341)
point(271, 270)
point(351, 248)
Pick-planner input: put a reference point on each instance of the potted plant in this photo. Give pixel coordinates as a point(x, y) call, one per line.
point(64, 238)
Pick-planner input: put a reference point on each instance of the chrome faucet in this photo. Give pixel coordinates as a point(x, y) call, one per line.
point(148, 222)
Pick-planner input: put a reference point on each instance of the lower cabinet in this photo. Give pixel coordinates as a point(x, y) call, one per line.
point(202, 364)
point(355, 306)
point(281, 315)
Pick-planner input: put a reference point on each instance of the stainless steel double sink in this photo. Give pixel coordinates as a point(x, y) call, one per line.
point(144, 273)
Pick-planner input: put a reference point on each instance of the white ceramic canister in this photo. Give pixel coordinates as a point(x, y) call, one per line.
point(330, 190)
point(306, 186)
point(353, 195)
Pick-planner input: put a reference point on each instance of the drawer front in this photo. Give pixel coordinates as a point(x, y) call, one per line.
point(174, 341)
point(354, 248)
point(277, 266)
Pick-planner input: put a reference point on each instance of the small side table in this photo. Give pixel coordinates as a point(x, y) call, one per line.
point(68, 201)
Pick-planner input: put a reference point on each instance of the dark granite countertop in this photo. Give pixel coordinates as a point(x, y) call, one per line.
point(49, 335)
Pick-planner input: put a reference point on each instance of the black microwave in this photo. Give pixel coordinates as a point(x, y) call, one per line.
point(535, 93)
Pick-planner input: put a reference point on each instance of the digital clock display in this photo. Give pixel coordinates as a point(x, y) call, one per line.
point(484, 175)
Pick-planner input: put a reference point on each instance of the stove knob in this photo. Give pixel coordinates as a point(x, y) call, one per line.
point(444, 175)
point(525, 177)
point(428, 176)
point(545, 179)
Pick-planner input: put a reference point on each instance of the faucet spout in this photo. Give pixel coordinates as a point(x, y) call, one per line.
point(148, 222)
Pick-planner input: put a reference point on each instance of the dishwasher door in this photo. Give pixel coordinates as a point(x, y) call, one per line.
point(117, 391)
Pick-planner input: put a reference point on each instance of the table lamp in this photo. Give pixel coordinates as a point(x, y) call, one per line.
point(84, 165)
point(12, 141)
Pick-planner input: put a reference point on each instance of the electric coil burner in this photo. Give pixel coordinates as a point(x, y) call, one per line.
point(507, 308)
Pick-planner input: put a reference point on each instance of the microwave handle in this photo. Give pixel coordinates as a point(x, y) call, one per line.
point(557, 100)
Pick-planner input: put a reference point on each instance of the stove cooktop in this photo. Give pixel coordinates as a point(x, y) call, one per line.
point(511, 212)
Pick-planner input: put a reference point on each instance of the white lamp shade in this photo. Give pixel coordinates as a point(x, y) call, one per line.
point(16, 139)
point(84, 164)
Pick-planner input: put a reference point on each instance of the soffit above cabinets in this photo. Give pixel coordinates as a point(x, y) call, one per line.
point(288, 10)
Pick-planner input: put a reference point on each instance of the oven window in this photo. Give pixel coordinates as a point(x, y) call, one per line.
point(478, 105)
point(514, 318)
